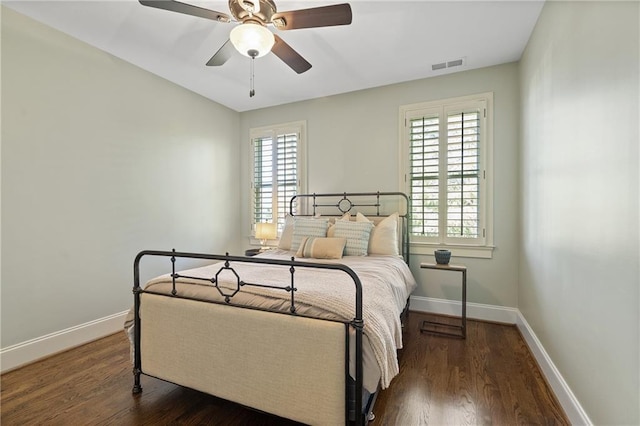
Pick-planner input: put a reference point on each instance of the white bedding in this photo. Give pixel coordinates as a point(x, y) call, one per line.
point(387, 282)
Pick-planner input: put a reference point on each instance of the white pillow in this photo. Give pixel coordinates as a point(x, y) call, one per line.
point(357, 235)
point(306, 227)
point(384, 235)
point(287, 233)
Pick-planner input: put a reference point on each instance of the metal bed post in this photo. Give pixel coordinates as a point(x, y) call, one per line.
point(358, 324)
point(137, 363)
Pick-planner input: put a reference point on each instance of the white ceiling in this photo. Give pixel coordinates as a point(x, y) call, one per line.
point(388, 42)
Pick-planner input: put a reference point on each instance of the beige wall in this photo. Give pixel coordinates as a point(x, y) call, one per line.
point(579, 254)
point(99, 161)
point(353, 146)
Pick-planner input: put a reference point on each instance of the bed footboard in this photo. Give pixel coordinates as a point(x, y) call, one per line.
point(290, 366)
point(282, 363)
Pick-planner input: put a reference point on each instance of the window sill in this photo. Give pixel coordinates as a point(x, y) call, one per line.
point(481, 252)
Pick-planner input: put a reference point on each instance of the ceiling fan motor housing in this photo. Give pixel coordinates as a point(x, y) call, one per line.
point(242, 9)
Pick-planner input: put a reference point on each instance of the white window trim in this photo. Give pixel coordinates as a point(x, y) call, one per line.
point(299, 127)
point(485, 250)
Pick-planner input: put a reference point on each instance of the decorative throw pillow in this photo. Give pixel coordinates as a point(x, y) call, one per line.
point(357, 235)
point(306, 227)
point(321, 248)
point(287, 234)
point(332, 222)
point(384, 235)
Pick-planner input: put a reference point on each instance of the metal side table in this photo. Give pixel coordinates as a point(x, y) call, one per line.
point(460, 330)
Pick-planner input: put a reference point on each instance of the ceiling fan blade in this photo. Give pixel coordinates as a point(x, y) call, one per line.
point(222, 55)
point(324, 16)
point(187, 9)
point(289, 56)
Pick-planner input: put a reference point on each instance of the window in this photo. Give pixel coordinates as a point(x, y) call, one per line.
point(446, 150)
point(277, 156)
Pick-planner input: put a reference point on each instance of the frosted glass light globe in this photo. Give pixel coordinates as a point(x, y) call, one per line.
point(252, 40)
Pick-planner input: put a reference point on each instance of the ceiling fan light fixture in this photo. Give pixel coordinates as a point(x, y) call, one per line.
point(249, 38)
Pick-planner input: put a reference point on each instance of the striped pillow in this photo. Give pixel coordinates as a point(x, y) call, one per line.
point(306, 227)
point(357, 235)
point(321, 248)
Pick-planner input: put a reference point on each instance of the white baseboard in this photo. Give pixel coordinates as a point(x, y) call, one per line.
point(570, 404)
point(23, 353)
point(568, 401)
point(474, 310)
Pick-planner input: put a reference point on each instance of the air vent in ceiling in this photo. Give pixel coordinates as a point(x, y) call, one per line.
point(448, 64)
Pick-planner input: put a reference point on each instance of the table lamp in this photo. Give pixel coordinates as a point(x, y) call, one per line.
point(266, 231)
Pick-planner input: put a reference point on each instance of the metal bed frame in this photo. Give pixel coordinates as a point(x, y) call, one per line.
point(344, 204)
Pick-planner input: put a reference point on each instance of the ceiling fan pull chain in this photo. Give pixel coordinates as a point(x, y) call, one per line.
point(252, 91)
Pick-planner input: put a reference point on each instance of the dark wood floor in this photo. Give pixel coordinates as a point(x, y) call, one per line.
point(489, 378)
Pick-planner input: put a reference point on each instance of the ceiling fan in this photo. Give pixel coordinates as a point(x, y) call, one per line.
point(251, 37)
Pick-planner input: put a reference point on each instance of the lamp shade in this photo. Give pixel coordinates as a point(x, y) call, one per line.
point(252, 40)
point(266, 231)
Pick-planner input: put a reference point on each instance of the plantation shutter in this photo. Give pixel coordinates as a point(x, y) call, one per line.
point(463, 174)
point(287, 161)
point(263, 179)
point(276, 178)
point(424, 175)
point(444, 173)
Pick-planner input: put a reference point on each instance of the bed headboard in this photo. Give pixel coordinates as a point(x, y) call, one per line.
point(371, 204)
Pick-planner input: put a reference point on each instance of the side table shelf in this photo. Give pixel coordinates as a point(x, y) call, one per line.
point(459, 331)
